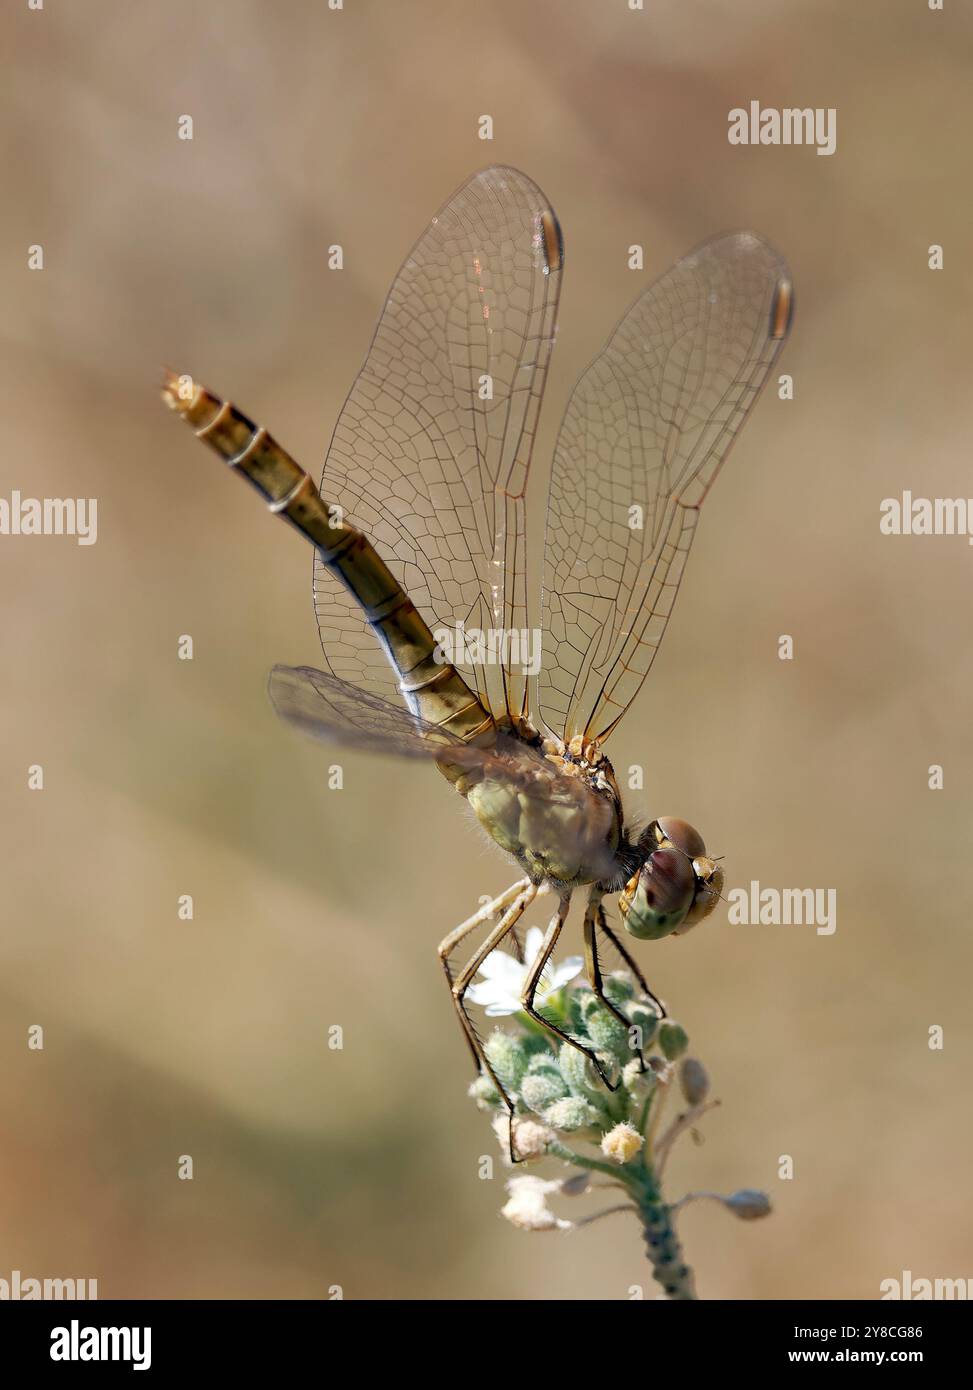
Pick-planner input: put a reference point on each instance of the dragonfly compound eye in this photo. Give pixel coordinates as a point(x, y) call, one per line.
point(679, 833)
point(709, 886)
point(655, 901)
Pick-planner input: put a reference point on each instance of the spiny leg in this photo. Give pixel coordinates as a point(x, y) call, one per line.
point(630, 962)
point(464, 979)
point(593, 968)
point(449, 943)
point(533, 980)
point(517, 944)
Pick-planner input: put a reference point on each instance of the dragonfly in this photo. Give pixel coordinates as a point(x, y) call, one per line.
point(420, 544)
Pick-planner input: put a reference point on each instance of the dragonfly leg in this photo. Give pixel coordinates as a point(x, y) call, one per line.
point(594, 917)
point(626, 956)
point(533, 980)
point(449, 943)
point(517, 944)
point(523, 894)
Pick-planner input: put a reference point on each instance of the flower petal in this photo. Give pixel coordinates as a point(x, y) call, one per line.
point(566, 971)
point(500, 966)
point(533, 942)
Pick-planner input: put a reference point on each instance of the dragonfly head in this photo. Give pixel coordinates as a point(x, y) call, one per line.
point(676, 885)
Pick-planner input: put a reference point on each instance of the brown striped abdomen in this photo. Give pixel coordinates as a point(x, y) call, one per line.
point(432, 689)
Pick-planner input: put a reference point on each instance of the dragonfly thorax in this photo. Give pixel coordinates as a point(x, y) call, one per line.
point(557, 812)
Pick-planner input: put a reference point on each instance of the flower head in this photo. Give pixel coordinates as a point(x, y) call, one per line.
point(622, 1143)
point(527, 1206)
point(563, 1111)
point(503, 978)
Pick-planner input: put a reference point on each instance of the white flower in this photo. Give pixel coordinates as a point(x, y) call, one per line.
point(503, 978)
point(527, 1207)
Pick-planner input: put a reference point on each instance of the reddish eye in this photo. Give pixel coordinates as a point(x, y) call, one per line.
point(682, 835)
point(657, 898)
point(666, 879)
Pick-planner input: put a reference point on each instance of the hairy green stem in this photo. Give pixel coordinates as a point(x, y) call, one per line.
point(664, 1251)
point(661, 1242)
point(595, 1165)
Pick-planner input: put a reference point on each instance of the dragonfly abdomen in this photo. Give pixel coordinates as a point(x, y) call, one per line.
point(432, 689)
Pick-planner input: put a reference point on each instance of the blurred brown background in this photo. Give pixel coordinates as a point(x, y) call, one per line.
point(313, 1167)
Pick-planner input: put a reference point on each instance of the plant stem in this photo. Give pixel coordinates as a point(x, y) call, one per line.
point(665, 1253)
point(595, 1165)
point(678, 1126)
point(661, 1242)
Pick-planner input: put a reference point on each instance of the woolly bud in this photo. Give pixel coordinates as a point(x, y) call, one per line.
point(571, 1113)
point(580, 1075)
point(673, 1039)
point(484, 1093)
point(542, 1084)
point(639, 1081)
point(622, 1143)
point(508, 1058)
point(530, 1139)
point(618, 988)
point(603, 1028)
point(646, 1020)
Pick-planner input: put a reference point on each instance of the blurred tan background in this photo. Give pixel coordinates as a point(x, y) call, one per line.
point(312, 907)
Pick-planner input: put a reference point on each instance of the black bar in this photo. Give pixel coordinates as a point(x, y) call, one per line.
point(649, 1337)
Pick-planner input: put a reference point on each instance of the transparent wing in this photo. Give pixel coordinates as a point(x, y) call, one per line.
point(328, 708)
point(645, 432)
point(431, 451)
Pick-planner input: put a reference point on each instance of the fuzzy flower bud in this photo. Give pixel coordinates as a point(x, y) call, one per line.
point(530, 1139)
point(508, 1058)
point(543, 1084)
point(638, 1080)
point(571, 1113)
point(603, 1028)
point(484, 1093)
point(673, 1039)
point(619, 988)
point(646, 1021)
point(622, 1143)
point(580, 1075)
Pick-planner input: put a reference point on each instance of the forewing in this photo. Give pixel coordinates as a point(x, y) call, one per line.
point(331, 709)
point(645, 432)
point(431, 451)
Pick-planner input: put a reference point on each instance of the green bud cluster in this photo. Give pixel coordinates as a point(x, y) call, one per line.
point(564, 1109)
point(554, 1082)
